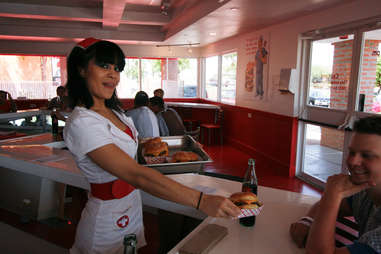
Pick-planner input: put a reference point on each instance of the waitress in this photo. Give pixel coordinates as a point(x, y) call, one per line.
point(104, 144)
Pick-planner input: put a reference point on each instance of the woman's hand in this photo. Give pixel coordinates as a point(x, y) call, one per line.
point(299, 233)
point(218, 206)
point(341, 185)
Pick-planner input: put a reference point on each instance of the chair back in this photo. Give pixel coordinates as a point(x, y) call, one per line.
point(174, 122)
point(219, 116)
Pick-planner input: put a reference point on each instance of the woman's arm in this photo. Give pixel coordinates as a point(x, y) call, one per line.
point(112, 159)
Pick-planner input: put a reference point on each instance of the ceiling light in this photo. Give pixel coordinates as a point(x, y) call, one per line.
point(190, 49)
point(164, 7)
point(221, 1)
point(212, 33)
point(234, 9)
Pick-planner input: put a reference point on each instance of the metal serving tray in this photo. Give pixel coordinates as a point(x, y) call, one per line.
point(175, 144)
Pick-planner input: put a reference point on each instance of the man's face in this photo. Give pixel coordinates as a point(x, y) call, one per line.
point(60, 92)
point(158, 93)
point(364, 158)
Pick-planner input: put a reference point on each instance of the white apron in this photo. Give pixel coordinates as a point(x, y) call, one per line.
point(104, 224)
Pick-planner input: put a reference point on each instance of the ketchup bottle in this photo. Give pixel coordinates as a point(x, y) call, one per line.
point(250, 184)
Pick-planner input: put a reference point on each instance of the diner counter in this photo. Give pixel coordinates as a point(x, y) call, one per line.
point(192, 105)
point(38, 156)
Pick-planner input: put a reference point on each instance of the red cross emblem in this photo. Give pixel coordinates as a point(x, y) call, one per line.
point(122, 222)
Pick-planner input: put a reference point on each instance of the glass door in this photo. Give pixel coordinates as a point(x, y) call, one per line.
point(342, 84)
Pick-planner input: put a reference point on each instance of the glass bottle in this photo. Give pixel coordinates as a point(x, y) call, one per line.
point(54, 123)
point(250, 184)
point(130, 242)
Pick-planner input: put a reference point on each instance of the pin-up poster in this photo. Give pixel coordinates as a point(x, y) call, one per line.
point(256, 74)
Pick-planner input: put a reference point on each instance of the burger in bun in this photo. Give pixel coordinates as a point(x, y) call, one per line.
point(245, 200)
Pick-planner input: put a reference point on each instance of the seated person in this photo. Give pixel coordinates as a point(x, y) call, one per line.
point(156, 104)
point(144, 119)
point(357, 194)
point(59, 102)
point(174, 122)
point(160, 93)
point(7, 104)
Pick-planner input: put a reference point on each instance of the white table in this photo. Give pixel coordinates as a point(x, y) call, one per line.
point(269, 235)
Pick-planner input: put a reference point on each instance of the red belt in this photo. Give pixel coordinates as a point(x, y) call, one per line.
point(111, 190)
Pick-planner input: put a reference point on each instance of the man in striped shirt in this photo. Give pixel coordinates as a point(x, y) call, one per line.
point(357, 195)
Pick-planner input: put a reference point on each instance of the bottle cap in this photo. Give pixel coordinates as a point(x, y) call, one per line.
point(251, 161)
point(129, 237)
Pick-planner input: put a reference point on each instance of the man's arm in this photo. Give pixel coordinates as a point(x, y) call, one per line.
point(321, 239)
point(299, 230)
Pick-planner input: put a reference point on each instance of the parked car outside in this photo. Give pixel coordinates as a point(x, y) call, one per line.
point(190, 91)
point(319, 97)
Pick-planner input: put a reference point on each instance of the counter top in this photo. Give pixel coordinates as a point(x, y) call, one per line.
point(192, 105)
point(271, 231)
point(33, 156)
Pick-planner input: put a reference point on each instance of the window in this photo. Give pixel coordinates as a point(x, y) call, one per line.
point(342, 84)
point(32, 77)
point(129, 79)
point(228, 78)
point(211, 78)
point(220, 78)
point(369, 95)
point(330, 72)
point(176, 76)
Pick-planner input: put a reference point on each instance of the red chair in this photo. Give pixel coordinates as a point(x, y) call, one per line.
point(217, 125)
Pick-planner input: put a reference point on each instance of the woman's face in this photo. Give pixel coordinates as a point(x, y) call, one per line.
point(364, 158)
point(102, 79)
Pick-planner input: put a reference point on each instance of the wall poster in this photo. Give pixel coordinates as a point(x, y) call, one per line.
point(256, 73)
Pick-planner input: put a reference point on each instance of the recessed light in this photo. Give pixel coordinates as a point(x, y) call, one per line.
point(221, 1)
point(234, 9)
point(212, 33)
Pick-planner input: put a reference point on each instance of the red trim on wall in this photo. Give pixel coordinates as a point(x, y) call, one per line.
point(31, 104)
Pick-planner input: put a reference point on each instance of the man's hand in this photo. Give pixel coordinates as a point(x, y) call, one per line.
point(299, 233)
point(341, 184)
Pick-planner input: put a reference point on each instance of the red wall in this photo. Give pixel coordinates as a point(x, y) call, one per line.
point(269, 138)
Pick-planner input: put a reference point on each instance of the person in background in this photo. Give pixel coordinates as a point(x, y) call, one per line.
point(104, 142)
point(159, 92)
point(144, 119)
point(58, 102)
point(357, 194)
point(7, 104)
point(156, 104)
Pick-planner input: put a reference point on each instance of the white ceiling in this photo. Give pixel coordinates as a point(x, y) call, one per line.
point(141, 21)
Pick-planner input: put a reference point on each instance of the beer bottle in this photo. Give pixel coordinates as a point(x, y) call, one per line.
point(250, 184)
point(130, 244)
point(54, 123)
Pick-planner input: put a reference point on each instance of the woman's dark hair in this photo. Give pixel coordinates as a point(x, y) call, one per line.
point(102, 52)
point(141, 99)
point(368, 125)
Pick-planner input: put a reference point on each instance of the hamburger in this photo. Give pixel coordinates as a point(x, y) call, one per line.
point(245, 200)
point(155, 148)
point(183, 156)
